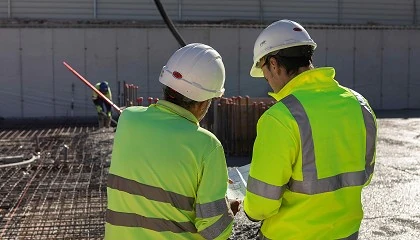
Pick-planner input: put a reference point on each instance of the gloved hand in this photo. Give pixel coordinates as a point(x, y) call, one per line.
point(108, 114)
point(235, 205)
point(98, 108)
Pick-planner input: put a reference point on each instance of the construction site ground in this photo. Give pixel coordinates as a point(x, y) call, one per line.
point(61, 193)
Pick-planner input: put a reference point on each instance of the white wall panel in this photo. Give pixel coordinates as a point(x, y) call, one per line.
point(72, 95)
point(253, 87)
point(225, 41)
point(195, 35)
point(10, 74)
point(380, 64)
point(340, 55)
point(4, 9)
point(37, 72)
point(395, 69)
point(320, 37)
point(368, 68)
point(101, 58)
point(414, 72)
point(161, 47)
point(132, 59)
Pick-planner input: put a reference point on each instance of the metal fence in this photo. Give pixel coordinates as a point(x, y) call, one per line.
point(402, 12)
point(233, 120)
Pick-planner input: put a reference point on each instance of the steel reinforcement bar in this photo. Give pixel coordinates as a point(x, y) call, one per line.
point(61, 195)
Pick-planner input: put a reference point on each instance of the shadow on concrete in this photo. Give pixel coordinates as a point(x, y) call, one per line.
point(234, 161)
point(404, 113)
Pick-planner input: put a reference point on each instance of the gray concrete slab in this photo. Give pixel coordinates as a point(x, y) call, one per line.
point(392, 201)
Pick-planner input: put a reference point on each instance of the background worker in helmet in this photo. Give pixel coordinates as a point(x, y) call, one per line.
point(315, 148)
point(103, 107)
point(168, 176)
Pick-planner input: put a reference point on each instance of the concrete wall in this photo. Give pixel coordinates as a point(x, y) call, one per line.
point(382, 64)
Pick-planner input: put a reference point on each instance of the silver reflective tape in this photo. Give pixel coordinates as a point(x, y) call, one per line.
point(329, 184)
point(211, 209)
point(218, 227)
point(370, 137)
point(371, 132)
point(265, 190)
point(155, 224)
point(153, 193)
point(305, 131)
point(311, 184)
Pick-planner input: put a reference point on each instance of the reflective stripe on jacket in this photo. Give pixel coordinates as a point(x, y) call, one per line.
point(167, 179)
point(313, 154)
point(107, 94)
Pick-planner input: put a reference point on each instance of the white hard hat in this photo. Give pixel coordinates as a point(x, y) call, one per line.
point(196, 71)
point(278, 35)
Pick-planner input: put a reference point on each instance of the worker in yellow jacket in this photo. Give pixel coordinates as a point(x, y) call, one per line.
point(315, 148)
point(168, 176)
point(103, 108)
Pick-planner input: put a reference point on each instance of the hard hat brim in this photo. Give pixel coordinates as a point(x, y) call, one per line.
point(256, 72)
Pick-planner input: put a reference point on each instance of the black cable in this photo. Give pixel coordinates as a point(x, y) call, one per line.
point(170, 24)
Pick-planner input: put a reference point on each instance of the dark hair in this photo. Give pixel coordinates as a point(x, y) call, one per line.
point(293, 58)
point(177, 98)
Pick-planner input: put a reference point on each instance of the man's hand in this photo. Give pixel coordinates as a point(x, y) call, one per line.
point(235, 205)
point(98, 108)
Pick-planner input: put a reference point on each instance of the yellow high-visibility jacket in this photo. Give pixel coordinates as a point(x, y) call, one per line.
point(314, 152)
point(167, 179)
point(107, 94)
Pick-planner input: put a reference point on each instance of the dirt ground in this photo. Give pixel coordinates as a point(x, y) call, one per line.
point(392, 201)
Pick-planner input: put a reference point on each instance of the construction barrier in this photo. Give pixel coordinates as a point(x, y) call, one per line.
point(130, 95)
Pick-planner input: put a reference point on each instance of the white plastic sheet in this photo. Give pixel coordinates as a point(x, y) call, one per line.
point(239, 176)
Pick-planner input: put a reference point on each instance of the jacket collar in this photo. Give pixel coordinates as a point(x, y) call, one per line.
point(177, 110)
point(310, 79)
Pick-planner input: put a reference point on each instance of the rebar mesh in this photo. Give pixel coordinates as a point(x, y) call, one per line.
point(61, 195)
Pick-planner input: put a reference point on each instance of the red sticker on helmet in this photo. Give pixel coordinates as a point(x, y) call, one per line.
point(297, 29)
point(177, 75)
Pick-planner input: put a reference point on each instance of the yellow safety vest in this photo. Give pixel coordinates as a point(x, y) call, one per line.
point(107, 94)
point(167, 179)
point(313, 154)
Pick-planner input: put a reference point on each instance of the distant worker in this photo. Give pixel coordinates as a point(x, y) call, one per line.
point(315, 148)
point(168, 176)
point(103, 108)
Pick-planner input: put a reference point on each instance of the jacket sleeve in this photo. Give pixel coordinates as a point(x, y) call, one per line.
point(371, 132)
point(373, 129)
point(110, 94)
point(214, 219)
point(275, 151)
point(94, 96)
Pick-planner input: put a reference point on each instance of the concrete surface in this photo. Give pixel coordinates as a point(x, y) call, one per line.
point(392, 200)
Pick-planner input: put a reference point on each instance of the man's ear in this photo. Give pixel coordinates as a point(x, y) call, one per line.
point(273, 63)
